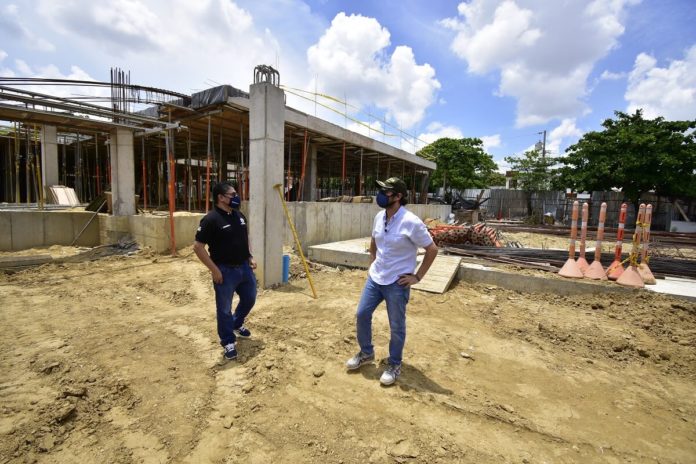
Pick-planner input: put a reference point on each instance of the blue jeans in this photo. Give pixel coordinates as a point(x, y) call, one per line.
point(239, 279)
point(396, 297)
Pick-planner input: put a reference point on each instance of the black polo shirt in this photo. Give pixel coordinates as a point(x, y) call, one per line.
point(226, 235)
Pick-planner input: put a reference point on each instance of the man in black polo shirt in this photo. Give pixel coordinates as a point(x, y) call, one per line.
point(224, 230)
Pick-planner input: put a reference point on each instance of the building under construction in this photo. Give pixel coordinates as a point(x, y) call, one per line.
point(197, 140)
point(143, 149)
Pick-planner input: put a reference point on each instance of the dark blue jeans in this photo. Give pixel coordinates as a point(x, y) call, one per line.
point(396, 297)
point(235, 279)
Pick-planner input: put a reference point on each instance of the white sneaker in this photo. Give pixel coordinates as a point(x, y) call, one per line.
point(358, 360)
point(390, 374)
point(230, 351)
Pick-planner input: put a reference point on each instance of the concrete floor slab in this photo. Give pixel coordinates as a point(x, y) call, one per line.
point(353, 253)
point(675, 286)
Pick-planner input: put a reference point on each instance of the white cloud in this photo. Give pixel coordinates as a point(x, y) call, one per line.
point(5, 72)
point(436, 130)
point(669, 92)
point(372, 129)
point(13, 28)
point(490, 141)
point(177, 44)
point(611, 76)
point(566, 131)
point(352, 58)
point(485, 44)
point(543, 50)
point(21, 68)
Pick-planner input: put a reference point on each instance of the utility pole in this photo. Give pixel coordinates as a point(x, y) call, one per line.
point(543, 148)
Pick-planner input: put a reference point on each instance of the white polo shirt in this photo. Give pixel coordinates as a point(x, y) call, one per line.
point(397, 245)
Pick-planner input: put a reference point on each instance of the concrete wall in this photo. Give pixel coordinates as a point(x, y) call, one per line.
point(316, 223)
point(319, 222)
point(20, 230)
point(150, 231)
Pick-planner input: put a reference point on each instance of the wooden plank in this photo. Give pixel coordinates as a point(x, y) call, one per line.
point(440, 274)
point(686, 218)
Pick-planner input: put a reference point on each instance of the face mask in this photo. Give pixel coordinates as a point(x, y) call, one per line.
point(235, 202)
point(382, 199)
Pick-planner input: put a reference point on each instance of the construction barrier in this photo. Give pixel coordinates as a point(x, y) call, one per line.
point(582, 262)
point(630, 277)
point(570, 269)
point(643, 269)
point(615, 269)
point(596, 270)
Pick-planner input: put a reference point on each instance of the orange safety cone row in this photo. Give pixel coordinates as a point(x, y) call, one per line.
point(643, 269)
point(615, 269)
point(596, 271)
point(630, 276)
point(582, 262)
point(570, 269)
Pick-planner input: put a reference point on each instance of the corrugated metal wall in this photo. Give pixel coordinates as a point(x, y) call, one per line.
point(515, 204)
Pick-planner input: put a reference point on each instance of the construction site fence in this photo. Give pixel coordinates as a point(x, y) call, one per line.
point(534, 206)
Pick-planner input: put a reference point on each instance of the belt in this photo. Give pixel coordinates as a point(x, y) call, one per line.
point(231, 265)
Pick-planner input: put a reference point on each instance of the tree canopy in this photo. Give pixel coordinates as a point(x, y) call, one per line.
point(532, 170)
point(461, 163)
point(636, 155)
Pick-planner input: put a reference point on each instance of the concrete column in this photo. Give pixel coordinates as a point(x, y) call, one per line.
point(310, 182)
point(122, 173)
point(49, 155)
point(266, 215)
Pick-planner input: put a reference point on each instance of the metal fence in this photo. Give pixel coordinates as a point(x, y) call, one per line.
point(518, 204)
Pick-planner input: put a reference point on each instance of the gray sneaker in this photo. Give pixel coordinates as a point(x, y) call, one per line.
point(390, 374)
point(359, 359)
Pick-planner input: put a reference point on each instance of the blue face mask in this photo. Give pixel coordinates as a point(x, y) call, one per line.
point(382, 199)
point(235, 202)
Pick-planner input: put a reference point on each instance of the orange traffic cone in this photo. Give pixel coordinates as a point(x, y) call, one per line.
point(582, 262)
point(630, 277)
point(596, 271)
point(615, 269)
point(570, 269)
point(643, 269)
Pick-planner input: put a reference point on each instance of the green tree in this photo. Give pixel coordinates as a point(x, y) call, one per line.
point(461, 164)
point(634, 154)
point(532, 170)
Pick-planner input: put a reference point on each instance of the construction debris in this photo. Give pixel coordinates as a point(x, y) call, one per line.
point(478, 234)
point(20, 263)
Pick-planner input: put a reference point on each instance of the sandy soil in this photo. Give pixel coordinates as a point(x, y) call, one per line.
point(117, 361)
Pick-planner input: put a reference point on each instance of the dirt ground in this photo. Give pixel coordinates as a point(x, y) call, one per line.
point(117, 361)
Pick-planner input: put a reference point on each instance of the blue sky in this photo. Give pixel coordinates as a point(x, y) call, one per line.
point(500, 70)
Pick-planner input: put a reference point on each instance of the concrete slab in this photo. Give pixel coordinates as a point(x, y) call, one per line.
point(353, 253)
point(476, 273)
point(685, 288)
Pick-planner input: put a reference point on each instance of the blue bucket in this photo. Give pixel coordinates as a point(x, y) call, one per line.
point(286, 268)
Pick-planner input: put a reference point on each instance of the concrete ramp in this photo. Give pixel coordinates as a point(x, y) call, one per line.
point(440, 274)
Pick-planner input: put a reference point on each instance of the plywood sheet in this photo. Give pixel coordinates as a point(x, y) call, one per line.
point(440, 274)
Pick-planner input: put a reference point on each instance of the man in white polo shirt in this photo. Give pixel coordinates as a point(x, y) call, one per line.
point(396, 236)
